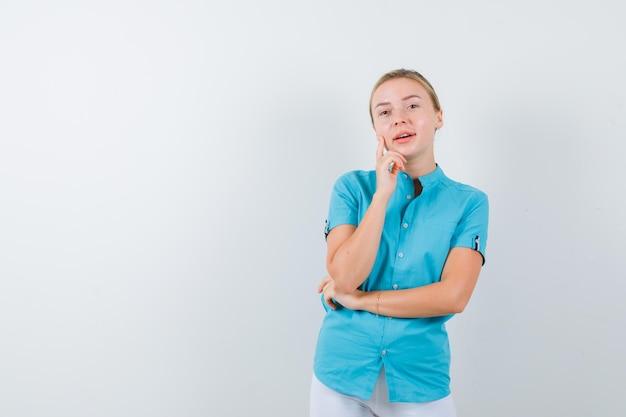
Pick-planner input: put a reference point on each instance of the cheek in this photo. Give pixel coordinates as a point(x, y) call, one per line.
point(381, 128)
point(382, 132)
point(424, 124)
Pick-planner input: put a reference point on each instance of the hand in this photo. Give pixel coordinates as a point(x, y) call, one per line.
point(388, 165)
point(331, 294)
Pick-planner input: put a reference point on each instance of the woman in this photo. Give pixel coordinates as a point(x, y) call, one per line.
point(405, 248)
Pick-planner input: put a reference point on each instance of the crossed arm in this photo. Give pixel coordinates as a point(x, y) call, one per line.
point(351, 254)
point(448, 296)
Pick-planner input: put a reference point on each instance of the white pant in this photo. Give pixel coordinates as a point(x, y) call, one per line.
point(326, 402)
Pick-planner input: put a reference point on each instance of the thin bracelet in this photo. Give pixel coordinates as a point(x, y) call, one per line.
point(377, 301)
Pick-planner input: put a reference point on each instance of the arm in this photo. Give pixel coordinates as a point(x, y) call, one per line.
point(352, 249)
point(448, 296)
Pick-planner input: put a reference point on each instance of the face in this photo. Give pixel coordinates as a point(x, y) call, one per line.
point(404, 115)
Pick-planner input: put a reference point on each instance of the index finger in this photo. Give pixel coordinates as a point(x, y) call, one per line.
point(380, 151)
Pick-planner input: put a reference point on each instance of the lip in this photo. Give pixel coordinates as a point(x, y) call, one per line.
point(399, 136)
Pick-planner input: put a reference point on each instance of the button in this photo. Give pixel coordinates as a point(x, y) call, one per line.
point(409, 196)
point(395, 286)
point(384, 352)
point(401, 255)
point(405, 225)
point(405, 176)
point(389, 318)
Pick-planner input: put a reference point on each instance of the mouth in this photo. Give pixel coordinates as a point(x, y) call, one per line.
point(403, 137)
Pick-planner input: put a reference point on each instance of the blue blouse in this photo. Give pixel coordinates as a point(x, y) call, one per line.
point(418, 233)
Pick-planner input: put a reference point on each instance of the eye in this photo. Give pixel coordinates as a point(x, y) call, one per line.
point(383, 113)
point(413, 106)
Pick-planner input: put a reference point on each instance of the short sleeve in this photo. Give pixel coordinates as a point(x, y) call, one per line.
point(472, 229)
point(344, 204)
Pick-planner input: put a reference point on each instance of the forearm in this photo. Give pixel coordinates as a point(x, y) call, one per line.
point(448, 296)
point(351, 262)
point(428, 301)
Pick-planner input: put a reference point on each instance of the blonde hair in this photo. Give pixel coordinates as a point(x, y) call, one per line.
point(412, 75)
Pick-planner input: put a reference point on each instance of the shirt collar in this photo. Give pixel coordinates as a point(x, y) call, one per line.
point(433, 177)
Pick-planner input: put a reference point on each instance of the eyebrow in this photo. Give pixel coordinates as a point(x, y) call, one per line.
point(384, 103)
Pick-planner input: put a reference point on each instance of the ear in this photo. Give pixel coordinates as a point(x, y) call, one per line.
point(439, 120)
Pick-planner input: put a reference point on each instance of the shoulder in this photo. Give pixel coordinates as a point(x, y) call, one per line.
point(458, 195)
point(356, 178)
point(469, 190)
point(464, 190)
point(356, 175)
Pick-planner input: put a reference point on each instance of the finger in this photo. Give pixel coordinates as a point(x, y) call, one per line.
point(397, 160)
point(396, 166)
point(322, 284)
point(380, 151)
point(330, 303)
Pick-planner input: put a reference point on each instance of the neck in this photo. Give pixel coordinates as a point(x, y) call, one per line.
point(420, 168)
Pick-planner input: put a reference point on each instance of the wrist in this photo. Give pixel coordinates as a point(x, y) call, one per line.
point(370, 302)
point(381, 196)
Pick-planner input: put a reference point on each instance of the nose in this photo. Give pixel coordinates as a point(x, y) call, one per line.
point(400, 117)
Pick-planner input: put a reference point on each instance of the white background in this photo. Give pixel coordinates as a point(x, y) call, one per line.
point(165, 170)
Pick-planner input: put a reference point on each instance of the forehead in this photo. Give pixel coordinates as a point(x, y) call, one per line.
point(397, 89)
